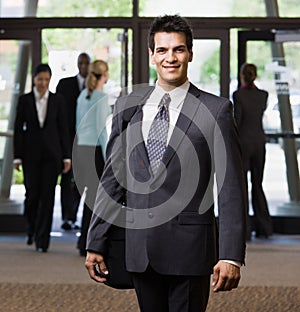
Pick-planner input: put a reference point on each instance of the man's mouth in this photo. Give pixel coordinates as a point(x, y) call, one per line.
point(171, 67)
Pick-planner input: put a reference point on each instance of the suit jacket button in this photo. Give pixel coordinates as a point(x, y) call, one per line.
point(150, 215)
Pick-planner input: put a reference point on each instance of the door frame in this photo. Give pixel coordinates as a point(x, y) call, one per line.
point(32, 35)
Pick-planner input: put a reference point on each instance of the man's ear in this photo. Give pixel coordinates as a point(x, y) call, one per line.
point(191, 56)
point(151, 56)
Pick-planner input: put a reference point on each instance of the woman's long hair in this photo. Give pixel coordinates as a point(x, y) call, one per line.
point(249, 72)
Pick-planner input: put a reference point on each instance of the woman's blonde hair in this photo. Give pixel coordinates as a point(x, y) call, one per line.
point(96, 70)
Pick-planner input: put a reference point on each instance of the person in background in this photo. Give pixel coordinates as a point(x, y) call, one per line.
point(70, 88)
point(250, 103)
point(42, 147)
point(162, 179)
point(91, 115)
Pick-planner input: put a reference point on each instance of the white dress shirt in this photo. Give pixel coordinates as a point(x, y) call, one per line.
point(151, 108)
point(81, 82)
point(41, 104)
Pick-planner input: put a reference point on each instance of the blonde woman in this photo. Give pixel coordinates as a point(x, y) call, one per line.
point(91, 113)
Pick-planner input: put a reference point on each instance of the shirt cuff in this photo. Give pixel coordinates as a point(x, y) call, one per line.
point(67, 160)
point(236, 263)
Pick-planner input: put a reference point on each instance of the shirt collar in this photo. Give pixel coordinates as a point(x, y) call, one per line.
point(81, 81)
point(80, 78)
point(37, 95)
point(177, 95)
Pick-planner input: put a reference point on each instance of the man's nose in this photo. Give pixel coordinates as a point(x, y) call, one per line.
point(171, 56)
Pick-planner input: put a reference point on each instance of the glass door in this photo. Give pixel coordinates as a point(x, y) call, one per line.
point(279, 74)
point(15, 79)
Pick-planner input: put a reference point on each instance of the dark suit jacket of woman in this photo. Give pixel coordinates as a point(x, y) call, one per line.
point(249, 107)
point(33, 143)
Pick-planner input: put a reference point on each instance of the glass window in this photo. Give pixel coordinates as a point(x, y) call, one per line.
point(84, 8)
point(216, 8)
point(195, 8)
point(204, 71)
point(9, 8)
point(124, 8)
point(191, 8)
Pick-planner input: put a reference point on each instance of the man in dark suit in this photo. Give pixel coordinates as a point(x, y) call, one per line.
point(70, 88)
point(42, 146)
point(173, 243)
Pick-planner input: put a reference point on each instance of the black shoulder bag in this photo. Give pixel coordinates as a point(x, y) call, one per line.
point(118, 276)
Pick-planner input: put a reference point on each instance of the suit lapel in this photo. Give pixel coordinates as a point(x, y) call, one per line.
point(34, 109)
point(76, 85)
point(137, 136)
point(190, 107)
point(49, 106)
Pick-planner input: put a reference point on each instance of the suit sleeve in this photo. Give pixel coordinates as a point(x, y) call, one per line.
point(60, 88)
point(111, 194)
point(237, 112)
point(231, 187)
point(18, 130)
point(63, 129)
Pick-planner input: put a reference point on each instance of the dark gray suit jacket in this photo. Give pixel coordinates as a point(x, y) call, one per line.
point(170, 216)
point(69, 88)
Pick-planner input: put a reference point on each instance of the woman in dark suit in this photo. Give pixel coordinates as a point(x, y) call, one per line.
point(41, 145)
point(250, 103)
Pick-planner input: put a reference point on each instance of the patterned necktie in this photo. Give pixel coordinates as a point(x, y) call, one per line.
point(158, 133)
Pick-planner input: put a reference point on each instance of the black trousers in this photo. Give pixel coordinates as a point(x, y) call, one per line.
point(70, 197)
point(254, 162)
point(171, 293)
point(40, 178)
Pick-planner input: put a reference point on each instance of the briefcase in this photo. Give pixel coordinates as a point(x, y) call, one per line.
point(118, 277)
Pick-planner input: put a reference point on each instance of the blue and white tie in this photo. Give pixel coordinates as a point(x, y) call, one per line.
point(158, 133)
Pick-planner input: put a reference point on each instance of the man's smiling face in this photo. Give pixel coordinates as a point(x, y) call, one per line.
point(171, 57)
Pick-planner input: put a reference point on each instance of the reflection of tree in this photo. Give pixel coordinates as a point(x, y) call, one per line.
point(210, 69)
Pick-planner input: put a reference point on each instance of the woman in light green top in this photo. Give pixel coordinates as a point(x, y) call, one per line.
point(91, 114)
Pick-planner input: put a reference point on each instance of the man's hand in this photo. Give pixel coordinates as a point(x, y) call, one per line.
point(17, 166)
point(67, 166)
point(226, 276)
point(91, 262)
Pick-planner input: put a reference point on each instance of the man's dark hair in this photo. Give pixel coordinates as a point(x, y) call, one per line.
point(170, 23)
point(83, 55)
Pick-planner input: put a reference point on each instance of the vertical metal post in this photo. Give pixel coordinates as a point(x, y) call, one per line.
point(282, 90)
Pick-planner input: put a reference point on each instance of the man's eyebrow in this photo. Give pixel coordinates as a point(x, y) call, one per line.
point(176, 47)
